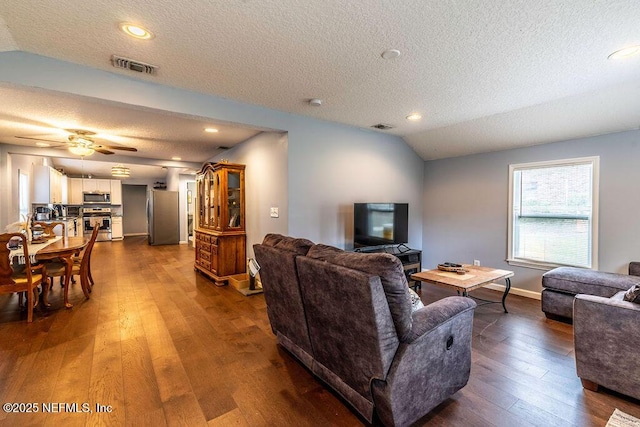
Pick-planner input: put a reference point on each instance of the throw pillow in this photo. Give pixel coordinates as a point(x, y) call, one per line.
point(633, 294)
point(416, 302)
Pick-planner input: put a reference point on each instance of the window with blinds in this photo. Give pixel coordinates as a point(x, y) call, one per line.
point(553, 213)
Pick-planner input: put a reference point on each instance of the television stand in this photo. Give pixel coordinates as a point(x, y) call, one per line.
point(411, 259)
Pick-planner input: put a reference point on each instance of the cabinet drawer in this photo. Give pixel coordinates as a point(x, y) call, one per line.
point(204, 255)
point(213, 240)
point(214, 249)
point(202, 237)
point(205, 264)
point(203, 245)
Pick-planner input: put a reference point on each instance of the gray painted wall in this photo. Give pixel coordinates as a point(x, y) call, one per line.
point(265, 158)
point(330, 166)
point(465, 204)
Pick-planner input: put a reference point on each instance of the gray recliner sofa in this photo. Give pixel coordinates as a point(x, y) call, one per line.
point(348, 318)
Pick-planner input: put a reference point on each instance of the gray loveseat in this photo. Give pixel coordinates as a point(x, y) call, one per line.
point(347, 317)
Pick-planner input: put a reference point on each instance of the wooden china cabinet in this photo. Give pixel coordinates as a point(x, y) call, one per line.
point(220, 234)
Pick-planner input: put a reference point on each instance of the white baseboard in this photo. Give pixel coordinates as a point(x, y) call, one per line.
point(515, 291)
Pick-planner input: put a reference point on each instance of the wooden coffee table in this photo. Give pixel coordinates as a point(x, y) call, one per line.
point(475, 277)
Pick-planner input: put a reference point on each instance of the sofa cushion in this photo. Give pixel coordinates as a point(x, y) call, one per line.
point(633, 294)
point(574, 280)
point(388, 268)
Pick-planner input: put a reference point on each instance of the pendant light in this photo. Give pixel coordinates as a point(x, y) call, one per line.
point(120, 171)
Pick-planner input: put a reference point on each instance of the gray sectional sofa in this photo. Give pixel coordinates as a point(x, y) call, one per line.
point(348, 318)
point(605, 326)
point(561, 285)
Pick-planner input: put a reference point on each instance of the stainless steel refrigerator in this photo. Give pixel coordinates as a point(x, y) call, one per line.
point(162, 217)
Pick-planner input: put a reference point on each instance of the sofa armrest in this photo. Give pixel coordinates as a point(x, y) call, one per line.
point(430, 316)
point(634, 268)
point(607, 342)
point(432, 364)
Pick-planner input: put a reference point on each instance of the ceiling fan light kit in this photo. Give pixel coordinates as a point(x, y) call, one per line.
point(81, 150)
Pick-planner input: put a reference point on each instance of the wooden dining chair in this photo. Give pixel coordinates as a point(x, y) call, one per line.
point(48, 228)
point(80, 267)
point(25, 278)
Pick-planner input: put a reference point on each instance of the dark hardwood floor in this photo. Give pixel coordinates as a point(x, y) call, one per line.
point(161, 345)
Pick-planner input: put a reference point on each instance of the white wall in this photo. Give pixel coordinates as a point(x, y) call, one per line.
point(15, 163)
point(465, 204)
point(330, 166)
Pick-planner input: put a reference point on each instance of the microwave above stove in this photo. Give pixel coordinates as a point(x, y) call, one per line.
point(96, 198)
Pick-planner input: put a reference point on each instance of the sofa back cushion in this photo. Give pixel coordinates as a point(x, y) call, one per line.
point(388, 268)
point(350, 324)
point(278, 273)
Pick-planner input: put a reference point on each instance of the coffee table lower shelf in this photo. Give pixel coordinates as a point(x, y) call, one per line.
point(475, 277)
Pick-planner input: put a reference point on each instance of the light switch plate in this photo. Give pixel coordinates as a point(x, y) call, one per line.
point(274, 213)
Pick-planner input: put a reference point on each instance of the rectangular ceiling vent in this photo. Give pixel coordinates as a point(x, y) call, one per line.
point(130, 64)
point(382, 126)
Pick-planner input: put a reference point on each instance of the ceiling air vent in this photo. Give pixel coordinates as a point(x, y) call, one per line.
point(130, 64)
point(382, 126)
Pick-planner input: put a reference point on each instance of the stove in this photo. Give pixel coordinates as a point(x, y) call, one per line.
point(101, 216)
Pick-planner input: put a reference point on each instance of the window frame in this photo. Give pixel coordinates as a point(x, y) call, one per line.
point(595, 191)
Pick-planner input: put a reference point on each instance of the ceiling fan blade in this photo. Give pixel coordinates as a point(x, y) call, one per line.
point(102, 150)
point(40, 139)
point(115, 147)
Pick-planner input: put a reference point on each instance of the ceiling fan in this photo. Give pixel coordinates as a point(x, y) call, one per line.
point(81, 142)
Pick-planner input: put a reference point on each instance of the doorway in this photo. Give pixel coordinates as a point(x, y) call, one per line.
point(191, 192)
point(134, 210)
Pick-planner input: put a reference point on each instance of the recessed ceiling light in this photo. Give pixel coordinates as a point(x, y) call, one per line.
point(211, 130)
point(414, 117)
point(627, 52)
point(136, 31)
point(43, 144)
point(176, 158)
point(390, 54)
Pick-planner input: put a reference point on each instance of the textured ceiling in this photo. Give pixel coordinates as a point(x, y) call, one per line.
point(160, 135)
point(486, 75)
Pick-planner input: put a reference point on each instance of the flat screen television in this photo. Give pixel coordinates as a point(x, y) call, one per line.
point(376, 224)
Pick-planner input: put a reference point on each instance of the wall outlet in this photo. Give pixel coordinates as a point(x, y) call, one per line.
point(476, 262)
point(274, 213)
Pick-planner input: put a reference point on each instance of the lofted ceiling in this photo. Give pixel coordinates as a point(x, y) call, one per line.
point(485, 75)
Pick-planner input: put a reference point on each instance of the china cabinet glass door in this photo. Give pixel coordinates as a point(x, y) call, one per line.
point(234, 208)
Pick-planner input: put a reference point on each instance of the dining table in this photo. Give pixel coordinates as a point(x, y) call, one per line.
point(54, 249)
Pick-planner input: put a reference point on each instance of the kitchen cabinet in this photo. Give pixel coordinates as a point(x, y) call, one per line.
point(116, 192)
point(116, 228)
point(75, 191)
point(93, 185)
point(64, 188)
point(46, 185)
point(220, 234)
